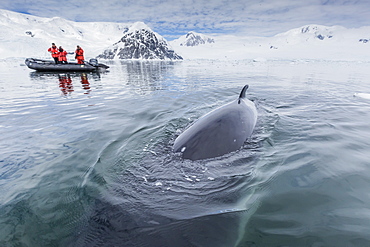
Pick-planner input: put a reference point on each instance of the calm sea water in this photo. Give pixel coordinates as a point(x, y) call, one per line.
point(86, 158)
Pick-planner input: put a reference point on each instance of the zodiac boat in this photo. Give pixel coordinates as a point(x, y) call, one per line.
point(47, 65)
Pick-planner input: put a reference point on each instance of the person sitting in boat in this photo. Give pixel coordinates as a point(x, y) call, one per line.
point(79, 55)
point(62, 55)
point(54, 52)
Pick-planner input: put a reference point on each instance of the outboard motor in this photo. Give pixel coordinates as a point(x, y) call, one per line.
point(93, 61)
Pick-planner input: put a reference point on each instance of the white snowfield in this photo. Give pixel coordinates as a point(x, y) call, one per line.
point(30, 36)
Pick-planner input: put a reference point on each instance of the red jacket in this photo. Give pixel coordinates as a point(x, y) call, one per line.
point(80, 54)
point(63, 56)
point(54, 51)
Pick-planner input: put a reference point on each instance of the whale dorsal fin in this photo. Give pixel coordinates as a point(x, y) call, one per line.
point(242, 93)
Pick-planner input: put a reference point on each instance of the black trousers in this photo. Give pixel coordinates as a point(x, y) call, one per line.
point(56, 59)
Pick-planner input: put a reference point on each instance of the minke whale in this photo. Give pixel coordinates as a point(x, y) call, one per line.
point(220, 131)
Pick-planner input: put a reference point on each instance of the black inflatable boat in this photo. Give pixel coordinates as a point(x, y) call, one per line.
point(47, 65)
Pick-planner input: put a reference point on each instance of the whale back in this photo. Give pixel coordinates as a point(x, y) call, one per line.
point(221, 131)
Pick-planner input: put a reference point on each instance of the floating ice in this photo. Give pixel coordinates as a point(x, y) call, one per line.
point(158, 184)
point(362, 95)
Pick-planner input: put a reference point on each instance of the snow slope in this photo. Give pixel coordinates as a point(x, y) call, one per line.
point(29, 36)
point(307, 42)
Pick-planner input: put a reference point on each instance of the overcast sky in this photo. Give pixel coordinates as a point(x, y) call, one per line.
point(177, 17)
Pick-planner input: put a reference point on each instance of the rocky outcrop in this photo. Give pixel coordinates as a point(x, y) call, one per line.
point(320, 32)
point(193, 39)
point(140, 42)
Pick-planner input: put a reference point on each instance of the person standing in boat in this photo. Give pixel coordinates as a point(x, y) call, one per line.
point(54, 52)
point(79, 55)
point(62, 55)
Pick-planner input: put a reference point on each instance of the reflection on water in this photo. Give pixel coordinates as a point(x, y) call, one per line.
point(138, 77)
point(85, 83)
point(144, 76)
point(65, 84)
point(66, 80)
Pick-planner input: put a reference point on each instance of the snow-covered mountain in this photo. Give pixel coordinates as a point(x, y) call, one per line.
point(315, 34)
point(140, 42)
point(322, 42)
point(306, 42)
point(30, 36)
point(193, 39)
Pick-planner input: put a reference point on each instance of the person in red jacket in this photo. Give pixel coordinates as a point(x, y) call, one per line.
point(79, 55)
point(54, 52)
point(62, 55)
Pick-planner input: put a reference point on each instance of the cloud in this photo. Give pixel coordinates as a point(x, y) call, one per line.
point(250, 17)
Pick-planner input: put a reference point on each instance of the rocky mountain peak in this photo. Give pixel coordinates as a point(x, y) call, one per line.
point(194, 39)
point(320, 32)
point(140, 42)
